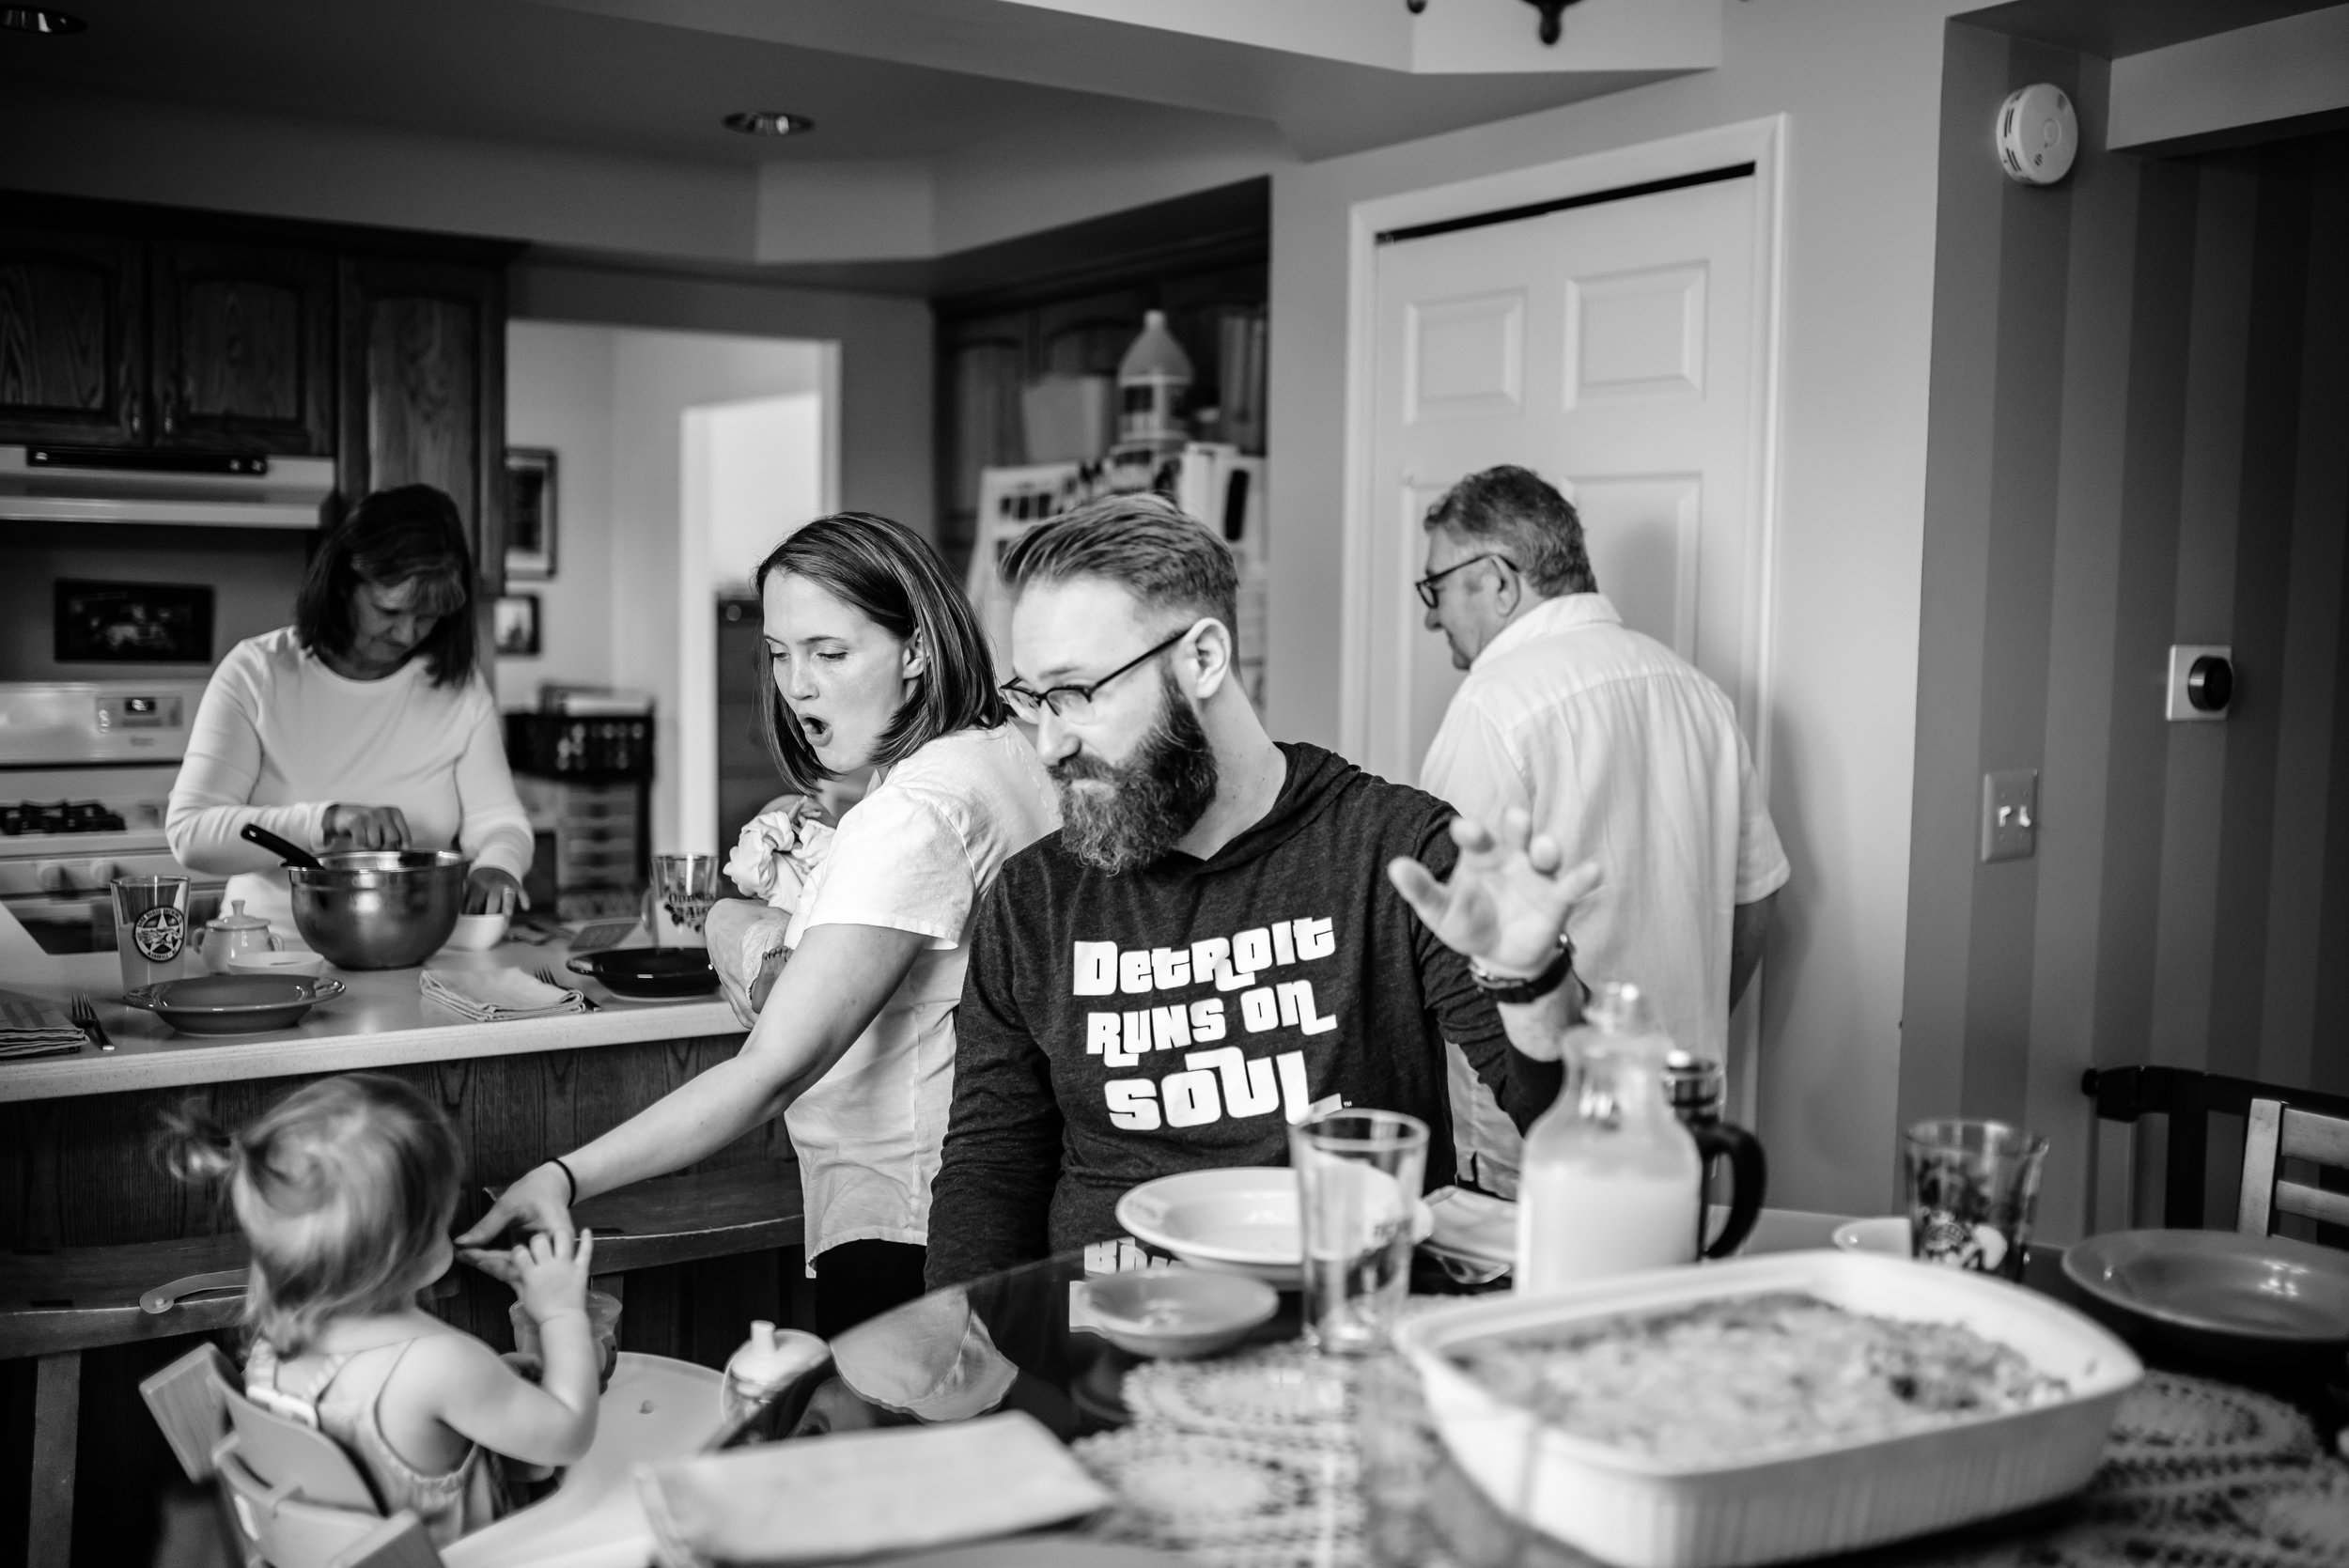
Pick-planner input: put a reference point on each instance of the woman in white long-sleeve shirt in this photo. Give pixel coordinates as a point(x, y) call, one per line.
point(367, 724)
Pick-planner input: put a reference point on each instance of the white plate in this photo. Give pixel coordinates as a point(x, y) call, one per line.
point(1637, 1511)
point(1888, 1235)
point(1241, 1219)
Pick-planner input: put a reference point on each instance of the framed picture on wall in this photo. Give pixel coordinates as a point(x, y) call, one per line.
point(515, 622)
point(529, 514)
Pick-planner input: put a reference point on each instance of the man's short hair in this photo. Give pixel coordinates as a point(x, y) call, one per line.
point(1146, 544)
point(1515, 512)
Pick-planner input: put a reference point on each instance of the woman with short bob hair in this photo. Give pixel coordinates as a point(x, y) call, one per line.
point(367, 724)
point(876, 660)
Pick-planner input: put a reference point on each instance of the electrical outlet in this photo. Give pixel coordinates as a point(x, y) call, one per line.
point(2010, 814)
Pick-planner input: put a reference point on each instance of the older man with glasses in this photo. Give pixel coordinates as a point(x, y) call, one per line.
point(1615, 747)
point(1213, 945)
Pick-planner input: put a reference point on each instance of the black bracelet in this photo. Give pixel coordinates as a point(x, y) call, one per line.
point(557, 1163)
point(1518, 991)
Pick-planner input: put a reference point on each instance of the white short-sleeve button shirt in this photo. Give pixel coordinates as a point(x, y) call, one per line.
point(1628, 756)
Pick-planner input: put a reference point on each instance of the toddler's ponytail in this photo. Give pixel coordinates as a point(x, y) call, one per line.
point(192, 1146)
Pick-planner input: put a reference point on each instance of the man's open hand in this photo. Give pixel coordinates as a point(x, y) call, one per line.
point(1508, 898)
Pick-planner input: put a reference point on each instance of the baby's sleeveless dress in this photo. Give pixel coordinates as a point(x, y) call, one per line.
point(344, 1407)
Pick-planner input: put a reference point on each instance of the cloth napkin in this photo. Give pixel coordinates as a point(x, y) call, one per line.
point(488, 996)
point(1473, 1225)
point(857, 1494)
point(31, 1026)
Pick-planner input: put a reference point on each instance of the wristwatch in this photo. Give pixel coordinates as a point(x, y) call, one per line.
point(1515, 990)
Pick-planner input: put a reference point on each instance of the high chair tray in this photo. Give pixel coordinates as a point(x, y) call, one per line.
point(656, 1409)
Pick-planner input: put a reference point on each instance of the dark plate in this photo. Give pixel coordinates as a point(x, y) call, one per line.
point(234, 1003)
point(649, 971)
point(2219, 1293)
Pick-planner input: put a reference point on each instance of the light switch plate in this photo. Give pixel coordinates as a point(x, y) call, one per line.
point(2010, 814)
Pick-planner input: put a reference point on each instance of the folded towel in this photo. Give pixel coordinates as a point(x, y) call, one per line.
point(488, 996)
point(31, 1026)
point(857, 1494)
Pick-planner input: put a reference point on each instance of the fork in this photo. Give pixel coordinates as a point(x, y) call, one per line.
point(85, 1017)
point(546, 977)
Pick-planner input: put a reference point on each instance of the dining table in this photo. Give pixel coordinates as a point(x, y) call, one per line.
point(1252, 1458)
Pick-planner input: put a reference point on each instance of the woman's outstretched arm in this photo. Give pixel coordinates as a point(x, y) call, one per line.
point(835, 985)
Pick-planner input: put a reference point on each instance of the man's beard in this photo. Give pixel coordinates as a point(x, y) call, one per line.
point(1153, 798)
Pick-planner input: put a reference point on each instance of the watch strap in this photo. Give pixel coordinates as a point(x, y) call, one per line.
point(1517, 990)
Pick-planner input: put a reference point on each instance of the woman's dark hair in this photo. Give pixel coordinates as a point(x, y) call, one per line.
point(408, 535)
point(889, 574)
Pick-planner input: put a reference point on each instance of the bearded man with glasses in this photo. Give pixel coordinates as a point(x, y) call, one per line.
point(1228, 934)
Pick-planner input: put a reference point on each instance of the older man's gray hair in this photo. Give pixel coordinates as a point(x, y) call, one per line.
point(1515, 512)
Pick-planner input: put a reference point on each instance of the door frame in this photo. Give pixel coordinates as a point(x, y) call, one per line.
point(1761, 142)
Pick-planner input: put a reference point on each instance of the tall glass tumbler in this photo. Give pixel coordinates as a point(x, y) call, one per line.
point(151, 929)
point(1358, 1175)
point(683, 889)
point(1972, 1187)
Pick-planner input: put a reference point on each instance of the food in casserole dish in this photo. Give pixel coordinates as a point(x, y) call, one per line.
point(1742, 1376)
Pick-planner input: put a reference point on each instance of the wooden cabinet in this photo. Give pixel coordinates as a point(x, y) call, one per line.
point(72, 338)
point(243, 348)
point(423, 389)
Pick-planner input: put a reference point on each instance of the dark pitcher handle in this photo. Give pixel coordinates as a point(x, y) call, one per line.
point(1750, 1177)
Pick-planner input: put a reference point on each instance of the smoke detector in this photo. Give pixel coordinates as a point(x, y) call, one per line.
point(2039, 135)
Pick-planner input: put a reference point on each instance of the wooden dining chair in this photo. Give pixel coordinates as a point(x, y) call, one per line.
point(2276, 1131)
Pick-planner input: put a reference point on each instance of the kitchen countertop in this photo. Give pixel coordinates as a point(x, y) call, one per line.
point(382, 1020)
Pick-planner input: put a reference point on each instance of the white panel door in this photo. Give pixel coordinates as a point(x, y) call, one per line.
point(1609, 349)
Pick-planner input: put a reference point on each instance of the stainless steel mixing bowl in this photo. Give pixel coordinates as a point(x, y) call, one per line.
point(378, 909)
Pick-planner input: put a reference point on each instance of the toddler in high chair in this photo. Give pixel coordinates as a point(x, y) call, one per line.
point(345, 1192)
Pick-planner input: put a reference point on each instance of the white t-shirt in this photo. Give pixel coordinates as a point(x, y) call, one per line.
point(279, 737)
point(916, 854)
point(1627, 755)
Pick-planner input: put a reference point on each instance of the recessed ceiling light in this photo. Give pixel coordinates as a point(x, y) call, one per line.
point(26, 19)
point(769, 122)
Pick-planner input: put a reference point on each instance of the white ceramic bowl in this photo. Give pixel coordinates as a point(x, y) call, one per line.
point(291, 961)
point(477, 933)
point(1177, 1312)
point(1637, 1511)
point(1240, 1220)
point(1888, 1235)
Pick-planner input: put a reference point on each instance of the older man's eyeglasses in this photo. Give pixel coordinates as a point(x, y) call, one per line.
point(1426, 585)
point(1074, 703)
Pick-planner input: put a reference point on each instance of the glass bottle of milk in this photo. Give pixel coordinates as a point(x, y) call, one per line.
point(1611, 1180)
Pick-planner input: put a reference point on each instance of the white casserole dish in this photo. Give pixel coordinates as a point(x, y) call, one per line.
point(1640, 1511)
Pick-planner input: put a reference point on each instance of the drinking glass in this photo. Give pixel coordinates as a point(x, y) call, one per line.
point(683, 889)
point(1358, 1175)
point(603, 1322)
point(1971, 1189)
point(151, 929)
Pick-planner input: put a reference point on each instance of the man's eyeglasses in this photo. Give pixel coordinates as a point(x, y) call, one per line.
point(1075, 703)
point(1426, 585)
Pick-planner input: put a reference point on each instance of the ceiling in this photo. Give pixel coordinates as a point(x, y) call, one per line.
point(509, 69)
point(2112, 28)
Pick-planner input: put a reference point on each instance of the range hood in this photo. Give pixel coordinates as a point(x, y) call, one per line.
point(207, 489)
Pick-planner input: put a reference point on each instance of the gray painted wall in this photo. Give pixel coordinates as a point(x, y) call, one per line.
point(2140, 436)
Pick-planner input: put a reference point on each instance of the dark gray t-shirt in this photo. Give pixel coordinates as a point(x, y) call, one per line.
point(1117, 1028)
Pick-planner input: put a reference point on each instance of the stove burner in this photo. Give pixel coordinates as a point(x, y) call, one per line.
point(59, 816)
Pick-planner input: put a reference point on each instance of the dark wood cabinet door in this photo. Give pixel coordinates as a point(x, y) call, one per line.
point(73, 339)
point(423, 389)
point(244, 348)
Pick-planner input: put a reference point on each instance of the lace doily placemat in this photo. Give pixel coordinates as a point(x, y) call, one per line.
point(1251, 1462)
